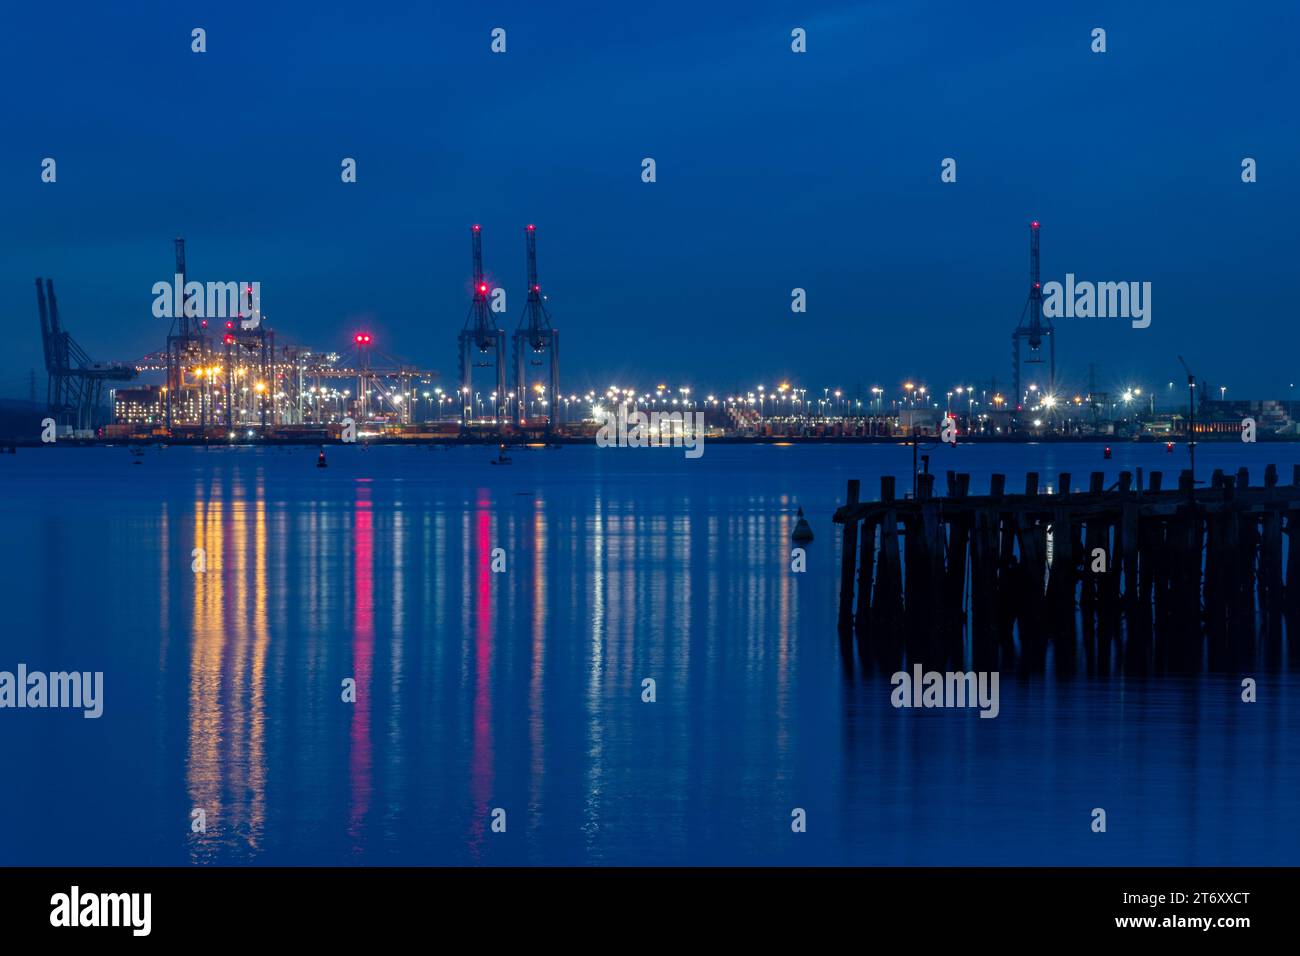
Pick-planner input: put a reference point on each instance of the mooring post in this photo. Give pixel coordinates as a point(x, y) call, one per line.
point(866, 562)
point(848, 561)
point(886, 601)
point(1270, 556)
point(1291, 589)
point(1129, 525)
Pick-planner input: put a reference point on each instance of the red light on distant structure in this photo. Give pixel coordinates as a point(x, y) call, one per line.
point(361, 338)
point(537, 288)
point(229, 324)
point(531, 228)
point(205, 323)
point(474, 227)
point(1037, 285)
point(483, 287)
point(1034, 224)
point(230, 340)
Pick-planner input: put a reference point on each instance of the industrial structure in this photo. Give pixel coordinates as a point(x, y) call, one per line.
point(75, 388)
point(1034, 327)
point(534, 337)
point(238, 383)
point(479, 337)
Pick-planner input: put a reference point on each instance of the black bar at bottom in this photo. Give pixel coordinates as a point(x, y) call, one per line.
point(213, 905)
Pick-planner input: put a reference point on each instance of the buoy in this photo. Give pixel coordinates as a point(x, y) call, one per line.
point(801, 530)
point(1106, 453)
point(321, 462)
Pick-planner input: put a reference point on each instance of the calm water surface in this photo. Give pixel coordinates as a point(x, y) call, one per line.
point(522, 690)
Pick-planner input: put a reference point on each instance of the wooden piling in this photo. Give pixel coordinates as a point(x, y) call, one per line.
point(848, 561)
point(1181, 567)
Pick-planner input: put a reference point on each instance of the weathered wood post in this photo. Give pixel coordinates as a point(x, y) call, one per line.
point(1031, 537)
point(983, 586)
point(866, 562)
point(1128, 543)
point(1063, 574)
point(1270, 559)
point(1291, 588)
point(960, 523)
point(848, 562)
point(886, 603)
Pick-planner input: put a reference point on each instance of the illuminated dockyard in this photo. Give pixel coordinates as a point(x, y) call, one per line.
point(233, 378)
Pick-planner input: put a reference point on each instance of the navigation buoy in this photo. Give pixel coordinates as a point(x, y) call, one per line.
point(320, 461)
point(1106, 452)
point(801, 532)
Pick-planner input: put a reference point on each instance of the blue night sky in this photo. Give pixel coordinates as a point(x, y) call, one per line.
point(775, 170)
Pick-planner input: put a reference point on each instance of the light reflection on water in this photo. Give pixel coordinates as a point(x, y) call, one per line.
point(522, 690)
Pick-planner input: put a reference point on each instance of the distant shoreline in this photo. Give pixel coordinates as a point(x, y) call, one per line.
point(517, 442)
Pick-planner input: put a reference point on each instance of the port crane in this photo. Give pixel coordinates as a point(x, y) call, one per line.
point(480, 336)
point(1034, 326)
point(75, 388)
point(535, 336)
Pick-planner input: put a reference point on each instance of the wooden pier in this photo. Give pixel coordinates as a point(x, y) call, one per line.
point(1136, 576)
